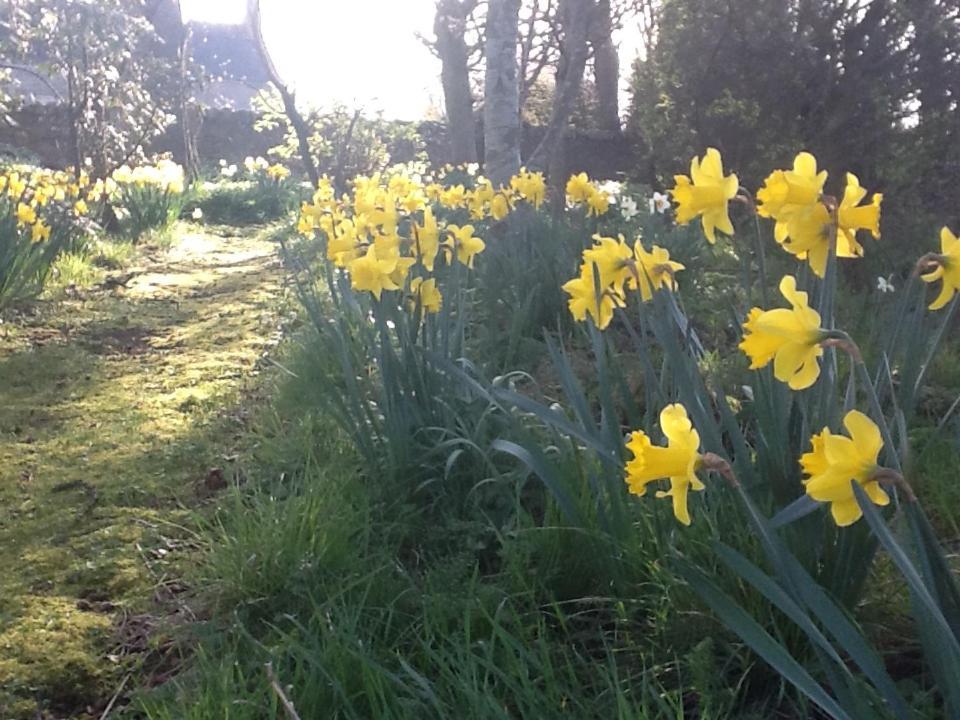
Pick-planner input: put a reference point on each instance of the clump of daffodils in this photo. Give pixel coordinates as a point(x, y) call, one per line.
point(609, 269)
point(808, 223)
point(35, 200)
point(581, 190)
point(164, 175)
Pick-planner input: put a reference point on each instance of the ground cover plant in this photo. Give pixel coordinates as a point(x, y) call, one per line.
point(479, 547)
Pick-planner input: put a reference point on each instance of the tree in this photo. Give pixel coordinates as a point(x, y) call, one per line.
point(450, 28)
point(868, 86)
point(576, 16)
point(110, 68)
point(299, 125)
point(501, 110)
point(606, 69)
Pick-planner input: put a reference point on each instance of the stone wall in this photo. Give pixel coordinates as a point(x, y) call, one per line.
point(41, 131)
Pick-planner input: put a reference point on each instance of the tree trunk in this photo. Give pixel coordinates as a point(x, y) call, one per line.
point(289, 103)
point(449, 26)
point(501, 93)
point(189, 112)
point(606, 70)
point(576, 17)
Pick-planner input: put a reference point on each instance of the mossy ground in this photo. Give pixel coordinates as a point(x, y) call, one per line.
point(120, 409)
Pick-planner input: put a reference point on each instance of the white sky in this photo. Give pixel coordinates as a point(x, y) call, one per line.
point(358, 52)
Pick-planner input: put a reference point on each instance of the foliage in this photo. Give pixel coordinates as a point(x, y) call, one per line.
point(869, 84)
point(344, 144)
point(113, 72)
point(259, 194)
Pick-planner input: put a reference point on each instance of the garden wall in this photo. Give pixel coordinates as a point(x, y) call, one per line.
point(40, 132)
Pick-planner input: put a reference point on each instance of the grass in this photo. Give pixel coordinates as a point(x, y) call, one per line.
point(115, 406)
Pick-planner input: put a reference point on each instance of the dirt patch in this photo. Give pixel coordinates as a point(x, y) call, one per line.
point(113, 341)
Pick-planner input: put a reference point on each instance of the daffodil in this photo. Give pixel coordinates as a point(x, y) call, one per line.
point(26, 215)
point(613, 260)
point(835, 461)
point(787, 192)
point(677, 462)
point(579, 188)
point(464, 244)
point(653, 270)
point(790, 338)
point(598, 202)
point(851, 217)
point(39, 232)
point(588, 299)
point(372, 273)
point(807, 231)
point(499, 206)
point(277, 172)
point(427, 240)
point(454, 197)
point(424, 293)
point(531, 186)
point(706, 194)
point(947, 270)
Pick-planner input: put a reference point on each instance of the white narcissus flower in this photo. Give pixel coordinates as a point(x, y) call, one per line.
point(197, 214)
point(885, 285)
point(628, 207)
point(612, 188)
point(659, 203)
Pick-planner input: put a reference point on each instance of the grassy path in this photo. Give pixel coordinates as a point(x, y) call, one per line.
point(120, 409)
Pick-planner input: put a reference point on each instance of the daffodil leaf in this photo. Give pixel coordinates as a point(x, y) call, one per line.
point(801, 507)
point(538, 465)
point(759, 640)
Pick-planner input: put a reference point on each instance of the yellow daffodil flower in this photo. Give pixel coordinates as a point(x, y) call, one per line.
point(26, 215)
point(851, 217)
point(464, 243)
point(790, 338)
point(39, 232)
point(677, 462)
point(587, 299)
point(372, 273)
point(706, 194)
point(835, 461)
point(426, 295)
point(277, 172)
point(808, 230)
point(947, 270)
point(531, 186)
point(80, 207)
point(613, 260)
point(426, 240)
point(654, 270)
point(787, 192)
point(499, 206)
point(579, 188)
point(598, 202)
point(454, 197)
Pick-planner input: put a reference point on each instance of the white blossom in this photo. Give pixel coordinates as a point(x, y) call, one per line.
point(885, 285)
point(659, 203)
